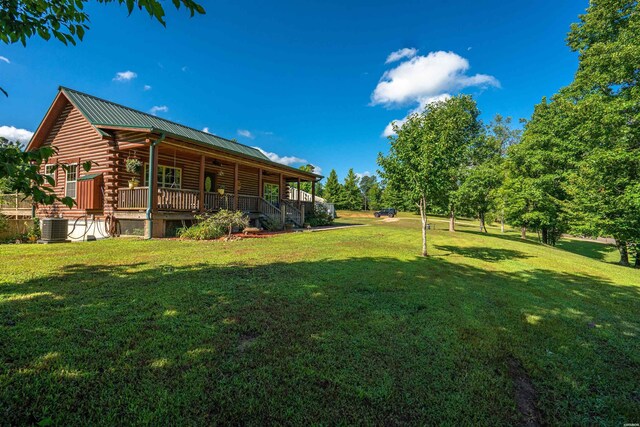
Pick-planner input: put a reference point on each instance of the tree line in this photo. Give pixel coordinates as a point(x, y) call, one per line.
point(574, 168)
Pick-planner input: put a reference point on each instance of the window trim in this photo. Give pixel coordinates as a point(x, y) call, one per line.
point(53, 174)
point(68, 181)
point(163, 168)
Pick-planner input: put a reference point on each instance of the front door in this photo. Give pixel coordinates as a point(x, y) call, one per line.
point(209, 182)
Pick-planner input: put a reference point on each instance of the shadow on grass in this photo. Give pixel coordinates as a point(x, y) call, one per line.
point(592, 250)
point(484, 253)
point(513, 237)
point(362, 340)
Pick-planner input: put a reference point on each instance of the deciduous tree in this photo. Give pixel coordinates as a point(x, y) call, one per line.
point(427, 151)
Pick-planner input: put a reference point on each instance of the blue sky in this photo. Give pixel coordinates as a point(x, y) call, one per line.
point(303, 80)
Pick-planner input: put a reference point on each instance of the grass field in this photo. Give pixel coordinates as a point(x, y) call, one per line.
point(346, 325)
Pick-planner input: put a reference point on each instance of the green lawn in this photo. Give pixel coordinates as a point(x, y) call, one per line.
point(346, 325)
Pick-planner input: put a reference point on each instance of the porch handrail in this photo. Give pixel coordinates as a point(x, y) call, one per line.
point(293, 213)
point(270, 210)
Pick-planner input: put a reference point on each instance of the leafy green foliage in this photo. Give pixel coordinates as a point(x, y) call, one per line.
point(319, 216)
point(20, 171)
point(577, 167)
point(332, 189)
point(428, 152)
point(479, 190)
point(34, 232)
point(367, 184)
point(133, 165)
point(373, 197)
point(66, 20)
point(537, 168)
point(213, 226)
point(351, 195)
point(478, 194)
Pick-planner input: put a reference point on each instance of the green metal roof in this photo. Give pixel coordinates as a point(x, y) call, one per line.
point(105, 113)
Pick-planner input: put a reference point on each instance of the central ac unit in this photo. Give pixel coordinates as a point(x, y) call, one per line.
point(54, 230)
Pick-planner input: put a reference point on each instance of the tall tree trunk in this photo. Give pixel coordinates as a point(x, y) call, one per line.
point(452, 219)
point(423, 217)
point(624, 253)
point(523, 232)
point(483, 226)
point(545, 236)
point(502, 222)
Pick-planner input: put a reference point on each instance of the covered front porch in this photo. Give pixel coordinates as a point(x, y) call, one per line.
point(188, 181)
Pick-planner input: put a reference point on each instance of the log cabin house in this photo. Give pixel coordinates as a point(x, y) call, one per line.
point(185, 172)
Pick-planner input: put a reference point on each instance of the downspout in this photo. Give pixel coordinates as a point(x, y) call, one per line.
point(152, 154)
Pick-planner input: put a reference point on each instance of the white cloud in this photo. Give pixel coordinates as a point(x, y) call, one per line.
point(285, 160)
point(205, 129)
point(125, 76)
point(422, 80)
point(147, 87)
point(427, 76)
point(158, 109)
point(245, 133)
point(400, 54)
point(12, 133)
point(5, 59)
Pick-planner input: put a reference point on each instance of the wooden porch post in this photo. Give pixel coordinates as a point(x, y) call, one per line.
point(153, 185)
point(299, 195)
point(235, 187)
point(313, 193)
point(201, 187)
point(260, 189)
point(281, 187)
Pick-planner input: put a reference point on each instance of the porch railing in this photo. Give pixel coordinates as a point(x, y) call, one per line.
point(170, 199)
point(248, 203)
point(215, 201)
point(180, 200)
point(133, 198)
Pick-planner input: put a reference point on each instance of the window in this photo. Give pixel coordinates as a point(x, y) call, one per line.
point(272, 193)
point(72, 178)
point(168, 177)
point(50, 170)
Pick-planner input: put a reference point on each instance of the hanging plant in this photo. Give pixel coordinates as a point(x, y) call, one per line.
point(133, 165)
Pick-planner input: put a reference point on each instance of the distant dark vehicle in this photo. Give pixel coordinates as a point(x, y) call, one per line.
point(390, 212)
